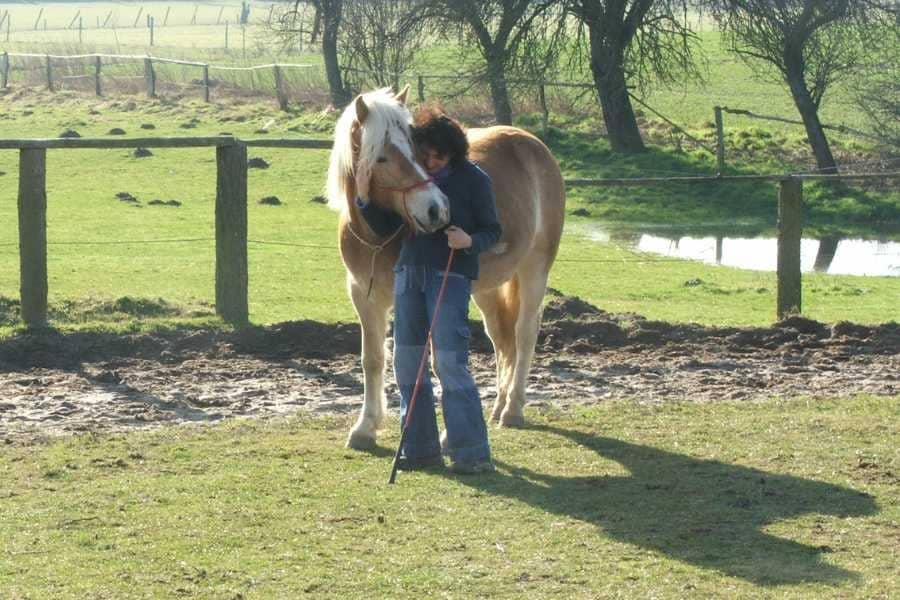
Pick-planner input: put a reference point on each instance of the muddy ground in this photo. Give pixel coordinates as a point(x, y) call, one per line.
point(52, 383)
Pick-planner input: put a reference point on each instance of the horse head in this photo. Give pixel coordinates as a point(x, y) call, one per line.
point(374, 157)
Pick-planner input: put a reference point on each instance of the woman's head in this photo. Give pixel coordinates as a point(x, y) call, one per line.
point(440, 139)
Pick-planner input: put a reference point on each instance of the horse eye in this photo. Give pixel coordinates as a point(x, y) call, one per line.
point(382, 159)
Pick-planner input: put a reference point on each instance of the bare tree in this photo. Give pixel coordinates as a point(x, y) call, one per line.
point(379, 40)
point(498, 28)
point(877, 88)
point(633, 43)
point(810, 43)
point(292, 26)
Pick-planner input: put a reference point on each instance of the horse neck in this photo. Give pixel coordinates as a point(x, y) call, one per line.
point(357, 222)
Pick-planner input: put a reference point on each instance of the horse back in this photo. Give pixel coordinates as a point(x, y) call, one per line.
point(530, 196)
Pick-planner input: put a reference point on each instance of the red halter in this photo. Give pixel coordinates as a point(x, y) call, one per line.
point(406, 190)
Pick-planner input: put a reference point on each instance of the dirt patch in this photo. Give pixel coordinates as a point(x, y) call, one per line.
point(52, 383)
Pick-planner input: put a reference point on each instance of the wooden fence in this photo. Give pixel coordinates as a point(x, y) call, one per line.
point(789, 224)
point(231, 283)
point(149, 62)
point(231, 213)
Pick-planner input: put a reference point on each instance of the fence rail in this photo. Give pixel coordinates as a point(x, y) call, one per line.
point(231, 280)
point(149, 62)
point(231, 283)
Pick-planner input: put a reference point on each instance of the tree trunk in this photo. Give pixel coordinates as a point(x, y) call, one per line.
point(607, 67)
point(499, 90)
point(809, 112)
point(331, 17)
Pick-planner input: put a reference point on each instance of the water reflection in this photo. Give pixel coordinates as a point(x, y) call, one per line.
point(830, 254)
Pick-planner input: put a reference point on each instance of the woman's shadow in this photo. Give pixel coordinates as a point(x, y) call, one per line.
point(703, 512)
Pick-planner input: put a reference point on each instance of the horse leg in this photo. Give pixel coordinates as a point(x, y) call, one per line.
point(532, 280)
point(373, 323)
point(499, 323)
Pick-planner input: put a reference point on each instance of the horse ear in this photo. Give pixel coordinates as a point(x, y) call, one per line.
point(401, 97)
point(362, 110)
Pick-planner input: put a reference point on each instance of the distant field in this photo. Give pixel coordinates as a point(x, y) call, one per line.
point(729, 82)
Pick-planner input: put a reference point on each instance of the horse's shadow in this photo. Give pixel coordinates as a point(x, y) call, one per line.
point(703, 512)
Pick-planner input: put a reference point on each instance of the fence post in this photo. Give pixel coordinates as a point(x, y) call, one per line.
point(166, 18)
point(231, 233)
point(279, 89)
point(137, 19)
point(37, 22)
point(421, 89)
point(150, 78)
point(790, 230)
point(98, 62)
point(720, 141)
point(49, 74)
point(152, 23)
point(542, 96)
point(32, 206)
point(4, 72)
point(206, 83)
point(80, 31)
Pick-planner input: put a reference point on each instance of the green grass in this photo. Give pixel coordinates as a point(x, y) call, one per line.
point(301, 276)
point(786, 499)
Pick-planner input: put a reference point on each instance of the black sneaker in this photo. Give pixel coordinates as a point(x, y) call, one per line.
point(420, 463)
point(472, 467)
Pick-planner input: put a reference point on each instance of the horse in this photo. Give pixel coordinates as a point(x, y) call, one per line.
point(374, 156)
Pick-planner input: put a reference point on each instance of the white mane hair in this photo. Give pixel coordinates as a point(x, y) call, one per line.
point(387, 119)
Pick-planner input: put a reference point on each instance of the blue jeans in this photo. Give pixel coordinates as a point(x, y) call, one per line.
point(416, 290)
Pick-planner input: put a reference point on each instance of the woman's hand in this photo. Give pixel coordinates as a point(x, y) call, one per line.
point(457, 238)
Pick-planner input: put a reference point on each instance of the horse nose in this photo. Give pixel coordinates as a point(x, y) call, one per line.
point(434, 213)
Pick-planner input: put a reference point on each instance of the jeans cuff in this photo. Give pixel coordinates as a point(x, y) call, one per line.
point(471, 454)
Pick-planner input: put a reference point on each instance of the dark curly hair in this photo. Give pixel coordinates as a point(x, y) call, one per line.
point(433, 128)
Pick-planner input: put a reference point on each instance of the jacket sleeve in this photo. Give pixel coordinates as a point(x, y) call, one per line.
point(487, 228)
point(382, 221)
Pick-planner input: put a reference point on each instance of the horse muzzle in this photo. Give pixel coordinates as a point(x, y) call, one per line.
point(430, 212)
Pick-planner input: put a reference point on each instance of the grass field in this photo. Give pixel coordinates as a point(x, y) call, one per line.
point(729, 82)
point(306, 279)
point(300, 275)
point(778, 499)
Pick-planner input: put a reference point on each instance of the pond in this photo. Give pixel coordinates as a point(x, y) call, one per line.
point(732, 247)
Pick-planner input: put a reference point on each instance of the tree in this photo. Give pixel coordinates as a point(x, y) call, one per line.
point(380, 38)
point(810, 43)
point(498, 28)
point(877, 89)
point(633, 42)
point(290, 26)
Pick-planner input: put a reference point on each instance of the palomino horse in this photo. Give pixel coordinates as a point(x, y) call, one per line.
point(373, 156)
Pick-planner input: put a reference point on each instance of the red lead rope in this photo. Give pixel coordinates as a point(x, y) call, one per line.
point(421, 372)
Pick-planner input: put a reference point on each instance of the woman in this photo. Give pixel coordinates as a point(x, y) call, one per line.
point(419, 271)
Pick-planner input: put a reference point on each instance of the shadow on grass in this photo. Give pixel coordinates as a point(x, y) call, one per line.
point(703, 512)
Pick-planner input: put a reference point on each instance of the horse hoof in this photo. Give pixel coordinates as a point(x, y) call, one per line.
point(512, 421)
point(358, 441)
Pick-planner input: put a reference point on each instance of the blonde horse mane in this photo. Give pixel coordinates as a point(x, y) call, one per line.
point(387, 119)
